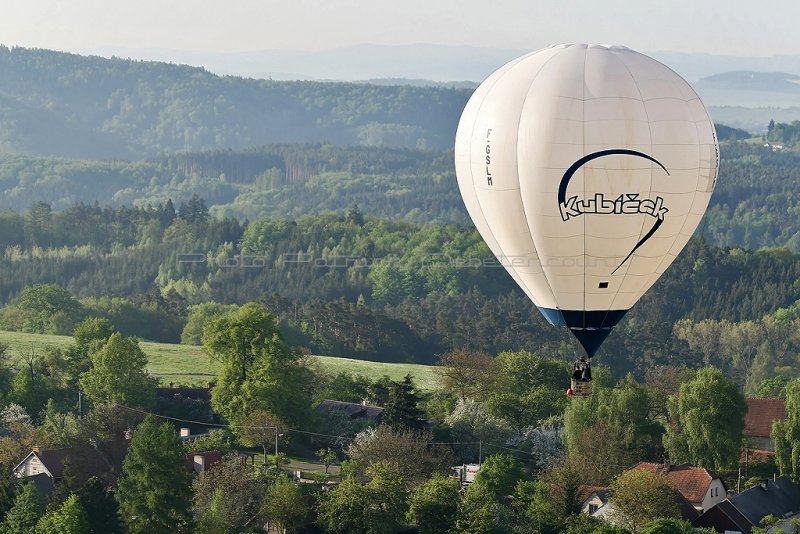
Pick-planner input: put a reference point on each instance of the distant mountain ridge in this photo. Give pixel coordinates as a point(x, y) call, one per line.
point(746, 80)
point(426, 61)
point(55, 103)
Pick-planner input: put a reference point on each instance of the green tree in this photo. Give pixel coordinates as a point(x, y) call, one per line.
point(584, 524)
point(466, 373)
point(342, 509)
point(613, 428)
point(410, 453)
point(43, 309)
point(527, 388)
point(706, 421)
point(118, 374)
point(480, 512)
point(327, 456)
point(284, 506)
point(401, 409)
point(229, 494)
point(154, 491)
point(212, 520)
point(69, 518)
point(258, 370)
point(377, 507)
point(499, 473)
point(786, 434)
point(199, 315)
point(433, 505)
point(92, 333)
point(28, 508)
point(8, 481)
point(639, 496)
point(101, 508)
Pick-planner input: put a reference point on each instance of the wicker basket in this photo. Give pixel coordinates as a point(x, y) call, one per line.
point(581, 388)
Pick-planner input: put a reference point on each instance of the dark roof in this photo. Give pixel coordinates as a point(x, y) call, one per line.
point(723, 516)
point(760, 415)
point(353, 409)
point(44, 484)
point(84, 461)
point(688, 511)
point(585, 492)
point(691, 482)
point(778, 497)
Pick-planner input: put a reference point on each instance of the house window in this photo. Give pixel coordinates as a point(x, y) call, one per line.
point(592, 508)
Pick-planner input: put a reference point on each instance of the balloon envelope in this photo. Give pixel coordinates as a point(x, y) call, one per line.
point(586, 169)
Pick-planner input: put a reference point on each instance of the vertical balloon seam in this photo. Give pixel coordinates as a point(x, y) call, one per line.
point(517, 278)
point(714, 167)
point(650, 132)
point(583, 151)
point(519, 180)
point(547, 279)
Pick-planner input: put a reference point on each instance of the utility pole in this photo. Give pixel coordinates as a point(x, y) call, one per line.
point(480, 452)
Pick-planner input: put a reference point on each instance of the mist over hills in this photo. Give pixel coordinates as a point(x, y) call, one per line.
point(420, 61)
point(54, 103)
point(463, 67)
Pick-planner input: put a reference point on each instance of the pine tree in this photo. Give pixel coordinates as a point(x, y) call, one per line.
point(402, 406)
point(154, 493)
point(69, 518)
point(27, 510)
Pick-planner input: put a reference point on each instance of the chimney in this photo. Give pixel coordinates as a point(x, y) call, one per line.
point(185, 432)
point(36, 449)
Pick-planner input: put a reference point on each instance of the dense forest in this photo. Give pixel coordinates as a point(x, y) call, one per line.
point(755, 204)
point(351, 285)
point(52, 103)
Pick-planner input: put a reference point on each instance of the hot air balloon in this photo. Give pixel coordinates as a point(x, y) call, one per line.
point(586, 169)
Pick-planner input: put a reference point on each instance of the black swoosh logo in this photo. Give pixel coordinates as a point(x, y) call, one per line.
point(562, 188)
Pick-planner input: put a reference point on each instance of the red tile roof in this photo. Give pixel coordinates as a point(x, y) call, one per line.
point(760, 415)
point(691, 482)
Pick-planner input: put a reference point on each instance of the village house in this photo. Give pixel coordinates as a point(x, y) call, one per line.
point(778, 497)
point(48, 467)
point(699, 486)
point(595, 502)
point(761, 413)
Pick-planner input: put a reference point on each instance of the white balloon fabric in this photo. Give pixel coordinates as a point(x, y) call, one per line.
point(586, 169)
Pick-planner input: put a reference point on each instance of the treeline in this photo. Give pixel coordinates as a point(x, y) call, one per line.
point(271, 181)
point(350, 285)
point(754, 206)
point(89, 107)
point(783, 132)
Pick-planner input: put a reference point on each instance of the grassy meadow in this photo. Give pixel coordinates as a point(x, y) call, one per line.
point(188, 365)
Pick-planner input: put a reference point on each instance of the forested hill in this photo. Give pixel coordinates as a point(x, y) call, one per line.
point(755, 205)
point(53, 103)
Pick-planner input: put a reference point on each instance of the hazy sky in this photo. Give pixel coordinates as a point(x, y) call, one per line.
point(734, 27)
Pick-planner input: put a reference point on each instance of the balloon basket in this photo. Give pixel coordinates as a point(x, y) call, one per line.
point(581, 388)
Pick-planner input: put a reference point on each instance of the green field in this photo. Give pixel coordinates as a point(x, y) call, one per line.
point(188, 365)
